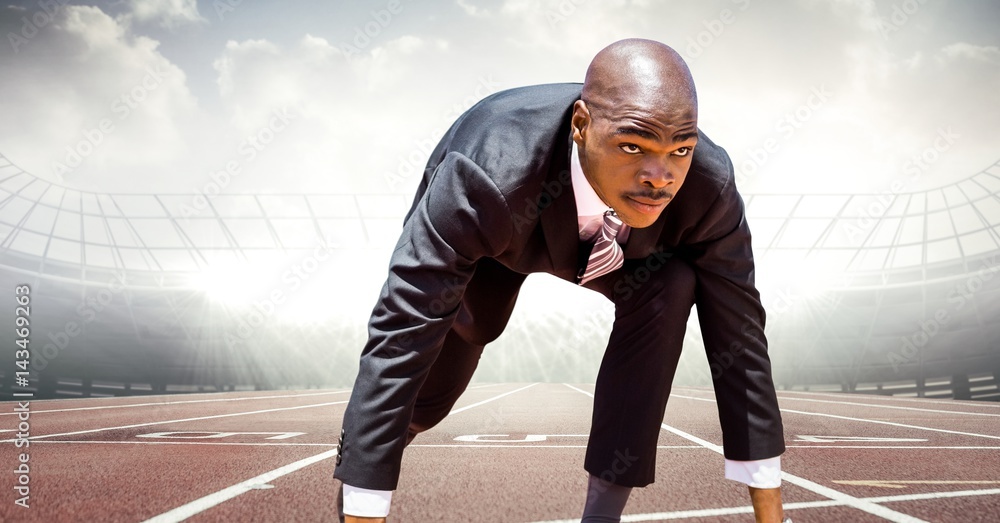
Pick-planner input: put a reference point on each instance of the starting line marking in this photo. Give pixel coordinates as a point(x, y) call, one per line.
point(213, 435)
point(151, 423)
point(748, 509)
point(846, 499)
point(528, 438)
point(903, 447)
point(216, 443)
point(470, 446)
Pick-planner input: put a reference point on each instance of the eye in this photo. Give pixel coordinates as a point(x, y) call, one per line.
point(683, 151)
point(630, 148)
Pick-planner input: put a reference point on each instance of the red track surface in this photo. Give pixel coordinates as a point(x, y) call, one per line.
point(89, 461)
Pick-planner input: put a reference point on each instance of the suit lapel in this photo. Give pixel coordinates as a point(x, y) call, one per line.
point(559, 221)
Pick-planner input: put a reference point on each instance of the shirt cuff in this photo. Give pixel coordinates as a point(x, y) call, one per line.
point(761, 473)
point(366, 503)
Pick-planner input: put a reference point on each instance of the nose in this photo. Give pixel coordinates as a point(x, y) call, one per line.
point(657, 174)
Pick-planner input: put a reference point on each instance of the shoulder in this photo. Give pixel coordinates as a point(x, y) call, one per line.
point(533, 111)
point(708, 200)
point(510, 134)
point(711, 178)
point(711, 165)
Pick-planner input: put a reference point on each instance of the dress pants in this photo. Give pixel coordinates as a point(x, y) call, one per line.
point(653, 299)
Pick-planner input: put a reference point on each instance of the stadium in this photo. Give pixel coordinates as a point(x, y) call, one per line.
point(889, 293)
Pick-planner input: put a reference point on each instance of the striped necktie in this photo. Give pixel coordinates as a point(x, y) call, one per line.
point(607, 254)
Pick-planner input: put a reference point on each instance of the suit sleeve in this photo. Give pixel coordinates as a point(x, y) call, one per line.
point(732, 326)
point(461, 217)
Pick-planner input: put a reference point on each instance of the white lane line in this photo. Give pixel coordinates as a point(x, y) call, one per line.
point(161, 403)
point(432, 445)
point(201, 504)
point(786, 394)
point(204, 503)
point(748, 509)
point(152, 423)
point(880, 422)
point(899, 399)
point(482, 386)
point(892, 483)
point(591, 394)
point(467, 407)
point(851, 501)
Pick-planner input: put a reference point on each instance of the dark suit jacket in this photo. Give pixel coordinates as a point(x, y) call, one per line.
point(498, 187)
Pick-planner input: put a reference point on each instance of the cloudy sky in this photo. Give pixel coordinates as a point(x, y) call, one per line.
point(311, 96)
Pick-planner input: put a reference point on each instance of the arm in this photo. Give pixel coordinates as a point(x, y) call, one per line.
point(461, 217)
point(732, 324)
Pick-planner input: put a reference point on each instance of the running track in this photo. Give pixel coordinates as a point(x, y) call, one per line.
point(507, 453)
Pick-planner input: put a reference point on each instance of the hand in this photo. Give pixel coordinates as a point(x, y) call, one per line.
point(359, 519)
point(766, 504)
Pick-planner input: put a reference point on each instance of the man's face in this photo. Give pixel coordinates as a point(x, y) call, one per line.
point(635, 157)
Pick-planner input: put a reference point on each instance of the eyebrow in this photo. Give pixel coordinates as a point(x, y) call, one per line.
point(634, 131)
point(642, 133)
point(693, 135)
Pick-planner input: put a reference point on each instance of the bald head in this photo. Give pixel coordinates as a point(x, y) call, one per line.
point(636, 128)
point(638, 72)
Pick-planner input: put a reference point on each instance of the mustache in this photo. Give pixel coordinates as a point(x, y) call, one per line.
point(652, 195)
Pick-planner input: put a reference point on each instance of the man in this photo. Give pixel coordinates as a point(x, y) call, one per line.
point(585, 184)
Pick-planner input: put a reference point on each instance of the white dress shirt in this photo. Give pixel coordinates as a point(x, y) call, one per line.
point(764, 473)
point(590, 208)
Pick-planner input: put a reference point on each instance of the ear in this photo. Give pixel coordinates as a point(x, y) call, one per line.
point(580, 121)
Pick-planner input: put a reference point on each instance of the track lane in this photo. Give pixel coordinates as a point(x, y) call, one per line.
point(492, 480)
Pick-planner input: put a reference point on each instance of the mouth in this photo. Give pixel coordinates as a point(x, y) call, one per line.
point(647, 205)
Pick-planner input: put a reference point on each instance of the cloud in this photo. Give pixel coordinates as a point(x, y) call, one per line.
point(472, 10)
point(984, 53)
point(170, 14)
point(349, 126)
point(369, 110)
point(84, 97)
